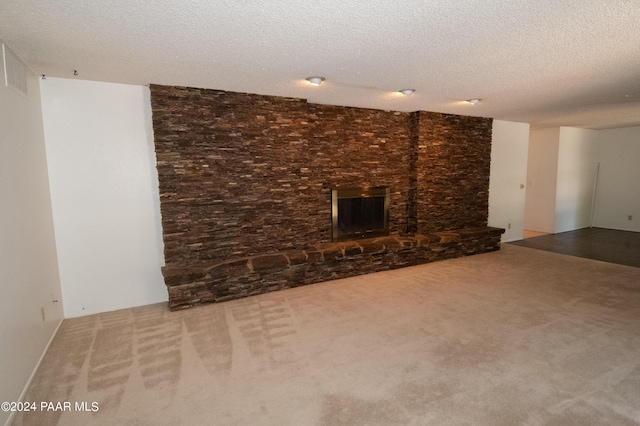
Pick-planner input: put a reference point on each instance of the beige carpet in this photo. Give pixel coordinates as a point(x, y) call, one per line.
point(515, 337)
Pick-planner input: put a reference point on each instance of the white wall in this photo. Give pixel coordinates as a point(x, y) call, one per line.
point(618, 194)
point(509, 148)
point(542, 172)
point(28, 263)
point(104, 191)
point(577, 162)
point(560, 179)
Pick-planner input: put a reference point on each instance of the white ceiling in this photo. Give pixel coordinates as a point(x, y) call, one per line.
point(546, 62)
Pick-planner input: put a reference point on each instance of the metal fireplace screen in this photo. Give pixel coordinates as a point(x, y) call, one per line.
point(359, 213)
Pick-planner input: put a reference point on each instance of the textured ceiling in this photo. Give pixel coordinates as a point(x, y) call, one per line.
point(545, 62)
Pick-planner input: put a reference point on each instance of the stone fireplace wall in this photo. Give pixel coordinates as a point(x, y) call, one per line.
point(453, 166)
point(244, 175)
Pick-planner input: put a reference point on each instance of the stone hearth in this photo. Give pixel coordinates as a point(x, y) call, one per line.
point(205, 283)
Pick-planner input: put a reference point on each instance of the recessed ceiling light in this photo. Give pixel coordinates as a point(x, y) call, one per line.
point(315, 80)
point(407, 92)
point(473, 101)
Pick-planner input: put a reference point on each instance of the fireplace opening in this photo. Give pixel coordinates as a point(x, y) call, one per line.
point(359, 212)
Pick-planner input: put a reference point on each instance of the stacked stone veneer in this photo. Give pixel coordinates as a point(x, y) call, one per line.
point(245, 189)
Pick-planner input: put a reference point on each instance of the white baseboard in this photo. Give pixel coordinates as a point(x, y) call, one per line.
point(33, 373)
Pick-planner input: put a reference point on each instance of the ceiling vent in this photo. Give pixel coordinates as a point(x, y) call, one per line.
point(15, 73)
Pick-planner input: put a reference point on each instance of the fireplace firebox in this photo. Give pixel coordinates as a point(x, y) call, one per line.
point(359, 212)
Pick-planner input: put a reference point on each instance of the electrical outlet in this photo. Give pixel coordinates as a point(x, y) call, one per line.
point(629, 217)
point(42, 312)
point(509, 226)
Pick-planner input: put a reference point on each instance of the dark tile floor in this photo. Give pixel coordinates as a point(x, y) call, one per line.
point(608, 245)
